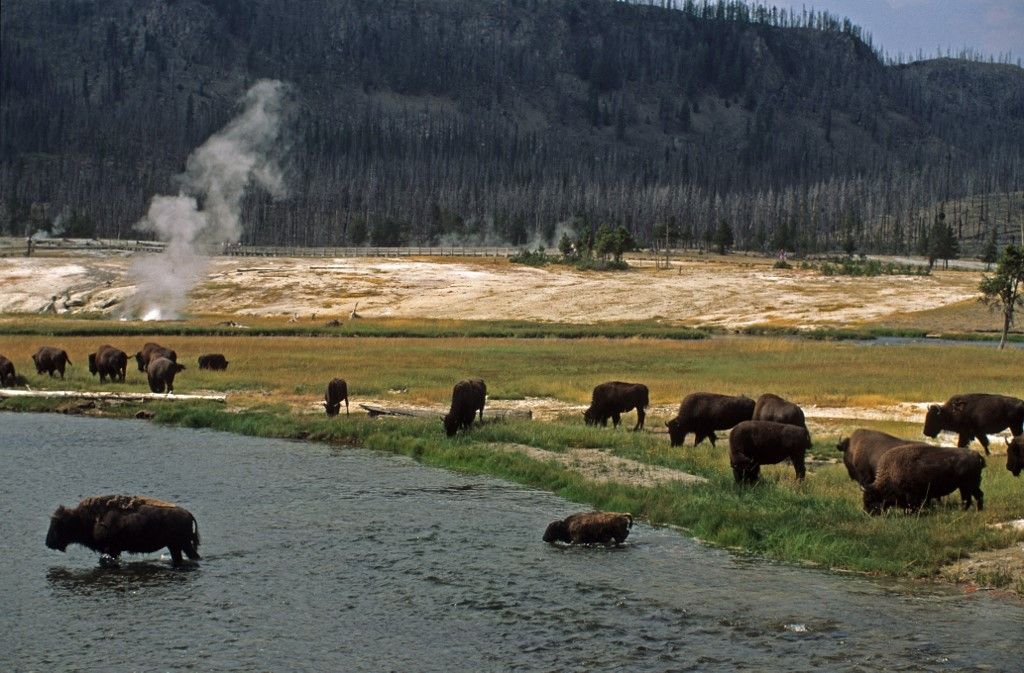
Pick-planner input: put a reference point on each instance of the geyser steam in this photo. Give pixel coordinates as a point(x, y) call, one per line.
point(217, 174)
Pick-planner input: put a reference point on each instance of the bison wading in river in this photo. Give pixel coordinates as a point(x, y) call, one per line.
point(1015, 455)
point(337, 391)
point(862, 449)
point(49, 359)
point(112, 524)
point(975, 415)
point(703, 413)
point(911, 475)
point(214, 361)
point(590, 528)
point(7, 373)
point(468, 396)
point(756, 443)
point(108, 362)
point(151, 351)
point(771, 407)
point(613, 398)
point(161, 372)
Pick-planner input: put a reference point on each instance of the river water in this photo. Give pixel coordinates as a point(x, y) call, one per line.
point(318, 559)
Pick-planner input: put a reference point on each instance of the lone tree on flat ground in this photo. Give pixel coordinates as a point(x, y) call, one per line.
point(1002, 290)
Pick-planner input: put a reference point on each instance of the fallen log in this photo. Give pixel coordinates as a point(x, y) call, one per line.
point(492, 413)
point(85, 395)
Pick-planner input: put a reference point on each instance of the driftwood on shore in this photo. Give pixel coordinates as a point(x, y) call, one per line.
point(111, 396)
point(421, 412)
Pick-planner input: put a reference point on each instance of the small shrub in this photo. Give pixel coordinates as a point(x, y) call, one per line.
point(782, 264)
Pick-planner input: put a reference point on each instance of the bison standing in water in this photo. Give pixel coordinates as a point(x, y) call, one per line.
point(756, 443)
point(771, 407)
point(613, 398)
point(150, 351)
point(108, 362)
point(215, 361)
point(590, 528)
point(911, 475)
point(468, 396)
point(7, 373)
point(862, 450)
point(975, 415)
point(161, 372)
point(49, 359)
point(703, 413)
point(1015, 455)
point(337, 391)
point(112, 524)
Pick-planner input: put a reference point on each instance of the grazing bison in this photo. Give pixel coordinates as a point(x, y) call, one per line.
point(1015, 455)
point(771, 407)
point(910, 475)
point(214, 361)
point(110, 362)
point(111, 524)
point(49, 359)
point(7, 373)
point(975, 415)
point(151, 351)
point(337, 390)
point(161, 372)
point(703, 413)
point(756, 443)
point(613, 398)
point(590, 528)
point(468, 396)
point(861, 451)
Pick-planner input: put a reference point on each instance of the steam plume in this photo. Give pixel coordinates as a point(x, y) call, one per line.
point(217, 175)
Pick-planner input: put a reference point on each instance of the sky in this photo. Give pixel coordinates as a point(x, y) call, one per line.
point(991, 27)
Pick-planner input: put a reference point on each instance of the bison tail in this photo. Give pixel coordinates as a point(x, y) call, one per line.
point(195, 532)
point(629, 517)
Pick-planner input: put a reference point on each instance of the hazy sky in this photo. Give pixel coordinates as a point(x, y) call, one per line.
point(988, 26)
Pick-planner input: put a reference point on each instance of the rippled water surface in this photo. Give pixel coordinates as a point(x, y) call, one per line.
point(318, 559)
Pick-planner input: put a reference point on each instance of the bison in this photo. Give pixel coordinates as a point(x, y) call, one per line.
point(112, 524)
point(214, 361)
point(150, 351)
point(975, 415)
point(49, 359)
point(110, 362)
point(161, 372)
point(337, 391)
point(756, 443)
point(771, 407)
point(468, 396)
point(1015, 455)
point(909, 476)
point(590, 528)
point(861, 451)
point(703, 413)
point(613, 398)
point(7, 373)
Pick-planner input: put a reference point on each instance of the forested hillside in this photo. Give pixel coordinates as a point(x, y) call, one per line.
point(496, 120)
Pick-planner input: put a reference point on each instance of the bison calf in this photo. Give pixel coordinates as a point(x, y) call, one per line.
point(911, 475)
point(613, 398)
point(49, 359)
point(1015, 455)
point(7, 373)
point(337, 391)
point(161, 372)
point(112, 524)
point(703, 413)
point(861, 451)
point(771, 407)
point(468, 396)
point(590, 528)
point(108, 362)
point(975, 415)
point(214, 361)
point(756, 443)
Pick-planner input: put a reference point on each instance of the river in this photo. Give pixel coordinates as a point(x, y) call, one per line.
point(320, 559)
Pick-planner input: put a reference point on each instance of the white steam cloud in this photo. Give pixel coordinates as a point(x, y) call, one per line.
point(207, 211)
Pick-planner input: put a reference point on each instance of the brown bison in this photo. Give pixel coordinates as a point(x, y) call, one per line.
point(151, 351)
point(1015, 455)
point(161, 372)
point(337, 391)
point(49, 359)
point(7, 373)
point(468, 396)
point(911, 475)
point(214, 361)
point(613, 398)
point(756, 443)
point(590, 528)
point(111, 524)
point(110, 362)
point(771, 407)
point(861, 451)
point(975, 415)
point(703, 413)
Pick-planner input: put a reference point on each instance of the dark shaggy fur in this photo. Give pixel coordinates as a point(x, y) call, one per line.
point(861, 451)
point(7, 373)
point(613, 398)
point(1015, 455)
point(112, 524)
point(108, 362)
point(215, 361)
point(590, 528)
point(771, 407)
point(151, 351)
point(337, 391)
point(161, 372)
point(49, 359)
point(756, 443)
point(911, 475)
point(976, 415)
point(468, 396)
point(703, 413)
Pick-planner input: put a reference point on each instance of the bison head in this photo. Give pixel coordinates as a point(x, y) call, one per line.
point(844, 445)
point(589, 417)
point(676, 433)
point(178, 368)
point(874, 503)
point(1015, 455)
point(933, 421)
point(61, 532)
point(451, 424)
point(140, 361)
point(332, 409)
point(92, 363)
point(557, 531)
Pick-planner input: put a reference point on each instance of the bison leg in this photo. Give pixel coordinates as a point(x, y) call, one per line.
point(712, 436)
point(346, 406)
point(616, 419)
point(963, 440)
point(983, 438)
point(175, 556)
point(639, 419)
point(798, 465)
point(191, 552)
